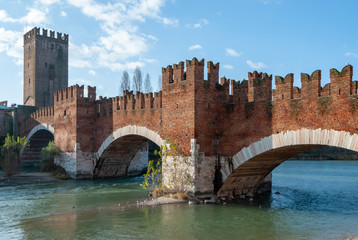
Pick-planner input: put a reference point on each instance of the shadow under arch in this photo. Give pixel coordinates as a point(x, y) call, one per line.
point(38, 138)
point(122, 148)
point(252, 164)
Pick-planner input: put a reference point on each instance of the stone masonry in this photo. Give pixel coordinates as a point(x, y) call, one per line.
point(234, 133)
point(45, 66)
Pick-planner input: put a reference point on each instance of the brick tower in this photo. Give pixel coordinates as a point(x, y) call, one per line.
point(45, 66)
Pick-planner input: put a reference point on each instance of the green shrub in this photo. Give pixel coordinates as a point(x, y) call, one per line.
point(10, 155)
point(173, 157)
point(48, 155)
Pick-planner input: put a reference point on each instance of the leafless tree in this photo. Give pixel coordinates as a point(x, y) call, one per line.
point(159, 83)
point(125, 83)
point(137, 80)
point(147, 84)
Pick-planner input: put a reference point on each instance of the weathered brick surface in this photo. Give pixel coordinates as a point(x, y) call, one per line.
point(45, 66)
point(222, 117)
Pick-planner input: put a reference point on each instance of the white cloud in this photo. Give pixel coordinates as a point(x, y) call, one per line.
point(33, 17)
point(11, 43)
point(48, 2)
point(350, 54)
point(81, 81)
point(170, 21)
point(121, 40)
point(91, 72)
point(118, 66)
point(257, 65)
point(232, 52)
point(148, 60)
point(80, 56)
point(121, 44)
point(199, 24)
point(5, 18)
point(194, 47)
point(228, 66)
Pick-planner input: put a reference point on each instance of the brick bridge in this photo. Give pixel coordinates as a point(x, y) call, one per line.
point(235, 133)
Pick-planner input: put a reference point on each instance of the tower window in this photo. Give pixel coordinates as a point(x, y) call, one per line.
point(46, 64)
point(29, 81)
point(52, 47)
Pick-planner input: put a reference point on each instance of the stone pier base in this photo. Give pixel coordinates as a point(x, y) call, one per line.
point(78, 165)
point(265, 186)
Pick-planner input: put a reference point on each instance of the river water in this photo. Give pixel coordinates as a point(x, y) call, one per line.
point(318, 200)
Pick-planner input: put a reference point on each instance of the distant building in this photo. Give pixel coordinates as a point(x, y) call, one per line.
point(45, 72)
point(45, 66)
point(5, 120)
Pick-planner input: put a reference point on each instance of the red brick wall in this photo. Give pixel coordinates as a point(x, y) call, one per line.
point(218, 115)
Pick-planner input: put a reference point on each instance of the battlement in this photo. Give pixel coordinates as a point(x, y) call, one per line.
point(284, 87)
point(239, 90)
point(341, 85)
point(194, 72)
point(42, 112)
point(259, 86)
point(35, 32)
point(75, 92)
point(104, 106)
point(138, 101)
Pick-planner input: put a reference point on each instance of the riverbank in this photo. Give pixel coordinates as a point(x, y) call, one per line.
point(29, 177)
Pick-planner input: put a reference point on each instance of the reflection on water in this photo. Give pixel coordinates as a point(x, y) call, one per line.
point(317, 201)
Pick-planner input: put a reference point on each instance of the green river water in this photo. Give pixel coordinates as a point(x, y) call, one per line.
point(318, 200)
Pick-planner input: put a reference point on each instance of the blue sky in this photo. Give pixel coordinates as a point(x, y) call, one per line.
point(107, 37)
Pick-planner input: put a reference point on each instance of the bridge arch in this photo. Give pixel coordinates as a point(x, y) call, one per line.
point(246, 170)
point(130, 130)
point(122, 146)
point(38, 138)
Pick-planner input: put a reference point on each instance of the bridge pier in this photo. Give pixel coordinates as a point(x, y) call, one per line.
point(82, 165)
point(78, 164)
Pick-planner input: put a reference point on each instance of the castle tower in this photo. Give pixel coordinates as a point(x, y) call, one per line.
point(45, 66)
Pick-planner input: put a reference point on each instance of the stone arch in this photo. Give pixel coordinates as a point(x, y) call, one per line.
point(41, 126)
point(125, 152)
point(130, 130)
point(290, 143)
point(36, 131)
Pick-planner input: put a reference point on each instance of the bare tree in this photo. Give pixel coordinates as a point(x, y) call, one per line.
point(137, 80)
point(159, 83)
point(125, 83)
point(147, 84)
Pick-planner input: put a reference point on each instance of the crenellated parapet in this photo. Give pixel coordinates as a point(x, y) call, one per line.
point(45, 34)
point(341, 82)
point(259, 86)
point(74, 93)
point(341, 85)
point(138, 101)
point(213, 71)
point(43, 112)
point(311, 84)
point(239, 90)
point(104, 106)
point(190, 72)
point(284, 87)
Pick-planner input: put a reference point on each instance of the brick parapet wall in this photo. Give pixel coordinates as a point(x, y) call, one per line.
point(332, 107)
point(217, 113)
point(36, 32)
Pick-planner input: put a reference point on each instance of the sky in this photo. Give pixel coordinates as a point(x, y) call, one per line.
point(108, 37)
